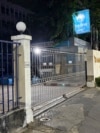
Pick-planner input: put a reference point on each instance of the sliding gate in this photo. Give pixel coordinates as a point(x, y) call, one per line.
point(54, 73)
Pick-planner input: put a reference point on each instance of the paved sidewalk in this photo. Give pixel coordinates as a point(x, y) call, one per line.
point(79, 114)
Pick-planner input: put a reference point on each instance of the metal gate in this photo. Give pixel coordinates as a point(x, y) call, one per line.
point(8, 80)
point(54, 73)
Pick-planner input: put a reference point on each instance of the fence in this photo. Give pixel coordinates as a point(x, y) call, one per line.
point(8, 55)
point(48, 66)
point(54, 73)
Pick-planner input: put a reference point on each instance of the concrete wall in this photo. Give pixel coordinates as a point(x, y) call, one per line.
point(93, 67)
point(12, 121)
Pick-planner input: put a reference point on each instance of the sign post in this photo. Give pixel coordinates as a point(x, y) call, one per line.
point(81, 22)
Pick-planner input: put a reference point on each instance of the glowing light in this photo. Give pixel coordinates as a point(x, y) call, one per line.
point(37, 50)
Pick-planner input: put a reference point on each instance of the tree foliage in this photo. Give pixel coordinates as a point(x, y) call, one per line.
point(53, 18)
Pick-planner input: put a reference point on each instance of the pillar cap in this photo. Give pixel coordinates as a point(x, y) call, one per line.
point(21, 37)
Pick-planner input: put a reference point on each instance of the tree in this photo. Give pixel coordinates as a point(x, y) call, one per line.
point(94, 6)
point(53, 18)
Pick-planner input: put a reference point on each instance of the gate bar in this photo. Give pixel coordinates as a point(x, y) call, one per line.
point(2, 77)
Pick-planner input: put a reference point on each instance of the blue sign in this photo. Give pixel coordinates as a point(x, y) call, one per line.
point(81, 21)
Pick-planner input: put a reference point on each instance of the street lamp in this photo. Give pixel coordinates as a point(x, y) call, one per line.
point(21, 27)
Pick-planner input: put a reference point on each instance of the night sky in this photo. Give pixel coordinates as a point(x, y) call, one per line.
point(50, 17)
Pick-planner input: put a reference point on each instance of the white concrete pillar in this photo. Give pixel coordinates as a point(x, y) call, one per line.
point(93, 67)
point(24, 76)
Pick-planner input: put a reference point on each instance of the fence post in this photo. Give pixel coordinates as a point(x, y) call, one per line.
point(24, 76)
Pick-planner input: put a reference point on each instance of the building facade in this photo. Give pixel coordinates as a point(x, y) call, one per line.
point(10, 14)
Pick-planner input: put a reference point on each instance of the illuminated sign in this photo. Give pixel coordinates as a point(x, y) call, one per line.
point(81, 21)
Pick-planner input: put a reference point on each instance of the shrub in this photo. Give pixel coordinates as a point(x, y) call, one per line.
point(97, 80)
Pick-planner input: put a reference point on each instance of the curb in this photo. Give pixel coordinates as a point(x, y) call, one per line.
point(38, 110)
point(61, 84)
point(56, 84)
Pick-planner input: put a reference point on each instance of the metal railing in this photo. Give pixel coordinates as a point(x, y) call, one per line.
point(8, 80)
point(53, 67)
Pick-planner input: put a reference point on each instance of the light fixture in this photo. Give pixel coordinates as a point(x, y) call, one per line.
point(21, 27)
point(37, 50)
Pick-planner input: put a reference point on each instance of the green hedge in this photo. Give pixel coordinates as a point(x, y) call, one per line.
point(97, 80)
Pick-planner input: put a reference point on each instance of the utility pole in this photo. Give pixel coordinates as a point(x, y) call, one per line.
point(94, 38)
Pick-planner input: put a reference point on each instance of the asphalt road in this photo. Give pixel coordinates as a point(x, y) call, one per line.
point(79, 114)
